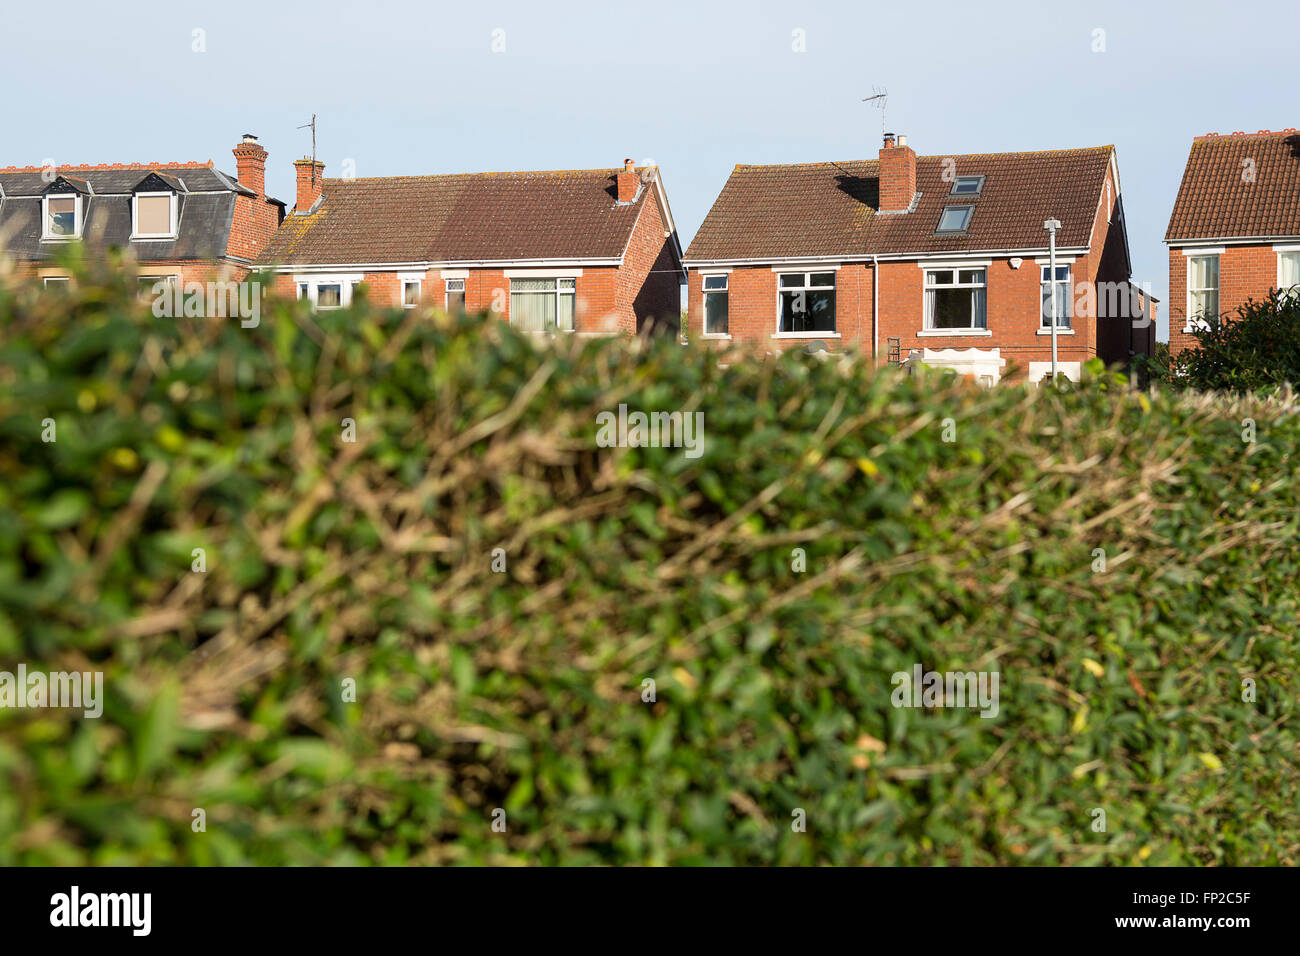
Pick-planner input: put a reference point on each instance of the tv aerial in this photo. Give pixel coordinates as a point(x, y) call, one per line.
point(878, 98)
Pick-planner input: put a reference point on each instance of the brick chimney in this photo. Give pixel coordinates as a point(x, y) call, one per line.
point(897, 174)
point(628, 182)
point(311, 174)
point(250, 165)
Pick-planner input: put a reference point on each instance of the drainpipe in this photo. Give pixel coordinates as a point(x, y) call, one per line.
point(875, 311)
point(1051, 226)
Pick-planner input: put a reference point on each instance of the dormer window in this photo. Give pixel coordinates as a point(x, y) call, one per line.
point(955, 218)
point(967, 186)
point(61, 216)
point(153, 216)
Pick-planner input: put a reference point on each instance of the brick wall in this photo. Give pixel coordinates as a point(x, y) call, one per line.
point(1245, 272)
point(488, 290)
point(252, 225)
point(648, 295)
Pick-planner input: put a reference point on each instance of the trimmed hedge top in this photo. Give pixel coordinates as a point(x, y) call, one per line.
point(473, 613)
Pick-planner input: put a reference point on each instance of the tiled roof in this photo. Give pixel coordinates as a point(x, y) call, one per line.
point(1238, 186)
point(829, 209)
point(566, 214)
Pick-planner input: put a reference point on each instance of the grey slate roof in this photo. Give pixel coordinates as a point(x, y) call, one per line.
point(207, 204)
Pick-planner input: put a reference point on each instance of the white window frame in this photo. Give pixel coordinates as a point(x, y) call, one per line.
point(173, 282)
point(955, 271)
point(136, 234)
point(806, 287)
point(77, 216)
point(346, 281)
point(1193, 320)
point(557, 278)
point(410, 278)
point(1292, 290)
point(704, 303)
point(419, 293)
point(47, 281)
point(447, 289)
point(1043, 323)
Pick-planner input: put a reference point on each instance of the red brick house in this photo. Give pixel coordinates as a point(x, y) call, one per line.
point(590, 251)
point(181, 221)
point(1234, 233)
point(941, 260)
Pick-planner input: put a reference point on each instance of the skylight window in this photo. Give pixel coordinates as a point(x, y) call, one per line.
point(967, 186)
point(955, 218)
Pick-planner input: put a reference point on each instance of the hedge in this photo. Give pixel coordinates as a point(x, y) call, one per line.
point(453, 620)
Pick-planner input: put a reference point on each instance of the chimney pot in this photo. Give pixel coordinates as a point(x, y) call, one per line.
point(250, 164)
point(627, 182)
point(897, 174)
point(311, 175)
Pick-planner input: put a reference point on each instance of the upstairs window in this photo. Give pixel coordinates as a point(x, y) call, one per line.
point(1202, 289)
point(715, 304)
point(543, 305)
point(955, 299)
point(1288, 274)
point(967, 186)
point(62, 219)
point(153, 216)
point(807, 303)
point(1062, 290)
point(955, 218)
point(455, 295)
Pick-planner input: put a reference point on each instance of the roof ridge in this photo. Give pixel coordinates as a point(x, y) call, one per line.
point(105, 166)
point(1021, 152)
point(505, 172)
point(1263, 132)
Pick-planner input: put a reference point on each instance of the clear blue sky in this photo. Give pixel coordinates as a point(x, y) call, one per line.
point(408, 88)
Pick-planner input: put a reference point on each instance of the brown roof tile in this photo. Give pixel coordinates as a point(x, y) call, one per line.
point(566, 214)
point(1223, 196)
point(828, 209)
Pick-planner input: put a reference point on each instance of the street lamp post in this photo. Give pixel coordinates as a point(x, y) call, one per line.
point(1051, 225)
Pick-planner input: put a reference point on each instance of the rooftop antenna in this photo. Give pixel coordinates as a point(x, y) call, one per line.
point(877, 100)
point(312, 127)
